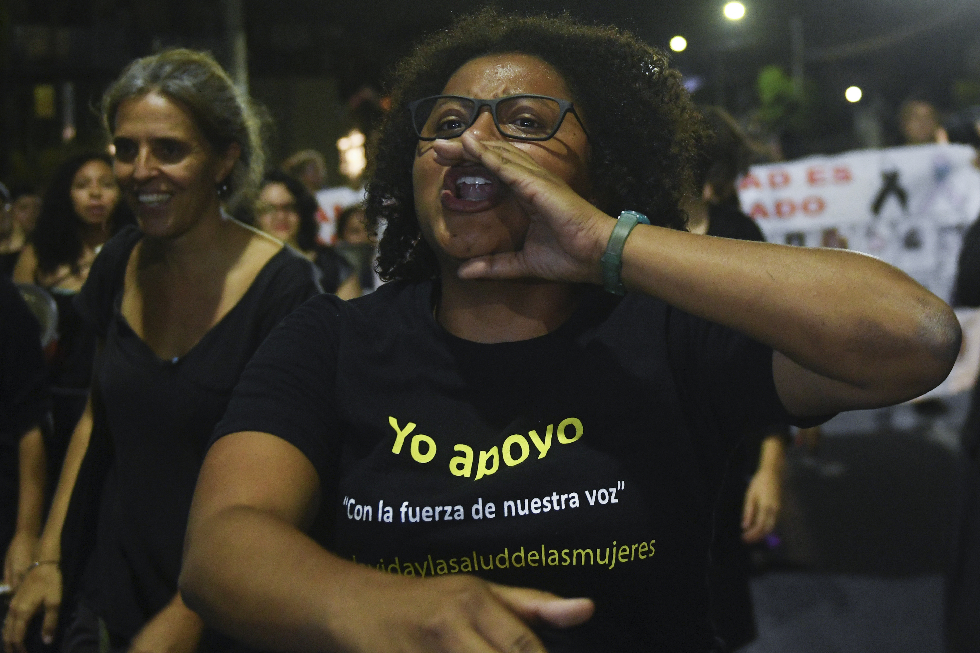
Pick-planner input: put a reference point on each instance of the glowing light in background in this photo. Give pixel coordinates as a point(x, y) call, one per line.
point(353, 158)
point(678, 44)
point(853, 94)
point(734, 11)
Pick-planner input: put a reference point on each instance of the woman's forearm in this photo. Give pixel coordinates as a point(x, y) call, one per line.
point(32, 481)
point(49, 546)
point(270, 588)
point(844, 315)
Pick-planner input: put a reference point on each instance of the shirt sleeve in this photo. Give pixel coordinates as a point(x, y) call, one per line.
point(732, 373)
point(288, 388)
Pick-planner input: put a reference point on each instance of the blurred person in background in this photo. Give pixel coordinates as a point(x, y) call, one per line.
point(286, 210)
point(179, 303)
point(81, 208)
point(26, 205)
point(20, 208)
point(919, 122)
point(751, 495)
point(963, 568)
point(358, 242)
point(310, 167)
point(25, 407)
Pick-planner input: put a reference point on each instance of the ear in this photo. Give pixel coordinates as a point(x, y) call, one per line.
point(227, 162)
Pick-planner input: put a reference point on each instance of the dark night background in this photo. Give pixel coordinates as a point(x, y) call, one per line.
point(317, 65)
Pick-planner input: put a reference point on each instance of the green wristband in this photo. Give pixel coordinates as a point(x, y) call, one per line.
point(612, 260)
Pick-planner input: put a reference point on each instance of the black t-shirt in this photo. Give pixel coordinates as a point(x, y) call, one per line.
point(157, 417)
point(24, 398)
point(584, 462)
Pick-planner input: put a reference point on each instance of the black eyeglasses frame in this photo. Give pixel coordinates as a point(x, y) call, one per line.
point(565, 107)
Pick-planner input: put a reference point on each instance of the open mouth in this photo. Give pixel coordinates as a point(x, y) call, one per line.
point(469, 188)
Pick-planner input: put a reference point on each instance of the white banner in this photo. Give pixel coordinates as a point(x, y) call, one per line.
point(908, 206)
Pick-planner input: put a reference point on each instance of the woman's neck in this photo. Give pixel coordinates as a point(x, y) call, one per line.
point(212, 243)
point(94, 236)
point(503, 311)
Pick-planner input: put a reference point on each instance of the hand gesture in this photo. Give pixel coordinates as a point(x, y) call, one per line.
point(458, 613)
point(762, 505)
point(40, 589)
point(567, 234)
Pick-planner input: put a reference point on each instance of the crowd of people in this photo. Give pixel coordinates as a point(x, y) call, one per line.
point(281, 416)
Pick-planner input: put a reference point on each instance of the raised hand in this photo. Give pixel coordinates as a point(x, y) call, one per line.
point(567, 234)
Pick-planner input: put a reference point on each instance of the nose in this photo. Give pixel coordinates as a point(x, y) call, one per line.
point(143, 165)
point(483, 126)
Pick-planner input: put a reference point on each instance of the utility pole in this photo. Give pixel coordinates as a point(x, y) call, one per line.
point(237, 47)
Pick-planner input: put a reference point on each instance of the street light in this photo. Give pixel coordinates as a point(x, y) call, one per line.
point(678, 44)
point(853, 94)
point(734, 11)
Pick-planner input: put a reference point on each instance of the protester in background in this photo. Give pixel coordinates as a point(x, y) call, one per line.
point(26, 206)
point(310, 167)
point(179, 305)
point(286, 210)
point(963, 569)
point(751, 495)
point(25, 407)
point(918, 122)
point(358, 243)
point(494, 383)
point(12, 237)
point(81, 208)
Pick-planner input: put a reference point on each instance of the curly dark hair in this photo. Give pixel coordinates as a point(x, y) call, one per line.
point(57, 236)
point(644, 132)
point(306, 206)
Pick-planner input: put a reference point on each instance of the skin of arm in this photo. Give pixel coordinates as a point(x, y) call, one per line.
point(26, 265)
point(349, 288)
point(32, 480)
point(322, 602)
point(763, 498)
point(849, 331)
point(175, 629)
point(41, 587)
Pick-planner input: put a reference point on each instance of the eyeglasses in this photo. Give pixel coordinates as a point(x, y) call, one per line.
point(522, 117)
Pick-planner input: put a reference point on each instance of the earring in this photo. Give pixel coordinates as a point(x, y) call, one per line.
point(223, 188)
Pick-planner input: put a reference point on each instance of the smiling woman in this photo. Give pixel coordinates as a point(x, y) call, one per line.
point(179, 304)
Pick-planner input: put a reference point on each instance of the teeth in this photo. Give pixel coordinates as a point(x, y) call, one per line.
point(153, 199)
point(474, 188)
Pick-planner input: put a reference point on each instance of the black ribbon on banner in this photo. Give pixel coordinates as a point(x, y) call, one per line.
point(890, 187)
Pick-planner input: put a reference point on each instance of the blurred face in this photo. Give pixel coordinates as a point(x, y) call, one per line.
point(463, 210)
point(26, 208)
point(276, 213)
point(920, 123)
point(168, 171)
point(356, 231)
point(94, 193)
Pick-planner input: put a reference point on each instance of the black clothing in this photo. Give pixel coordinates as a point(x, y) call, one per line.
point(24, 398)
point(153, 420)
point(334, 268)
point(584, 462)
point(731, 564)
point(963, 571)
